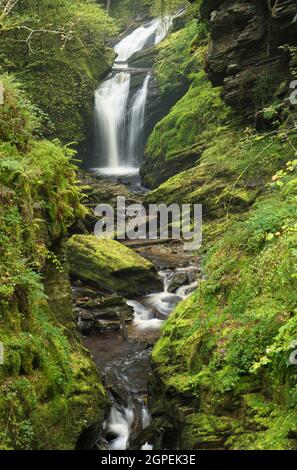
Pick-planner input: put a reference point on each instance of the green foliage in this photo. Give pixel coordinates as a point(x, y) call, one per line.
point(263, 89)
point(44, 364)
point(176, 61)
point(61, 62)
point(227, 347)
point(242, 320)
point(165, 7)
point(292, 50)
point(126, 11)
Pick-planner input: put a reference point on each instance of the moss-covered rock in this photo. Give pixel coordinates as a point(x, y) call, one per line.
point(110, 265)
point(50, 390)
point(224, 351)
point(221, 371)
point(97, 313)
point(179, 139)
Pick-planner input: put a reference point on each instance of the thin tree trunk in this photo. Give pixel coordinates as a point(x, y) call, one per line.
point(123, 327)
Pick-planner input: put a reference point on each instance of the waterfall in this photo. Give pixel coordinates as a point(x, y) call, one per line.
point(136, 123)
point(119, 424)
point(146, 36)
point(119, 117)
point(110, 105)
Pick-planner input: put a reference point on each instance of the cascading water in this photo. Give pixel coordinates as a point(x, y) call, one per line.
point(119, 424)
point(129, 413)
point(136, 123)
point(119, 117)
point(146, 36)
point(110, 104)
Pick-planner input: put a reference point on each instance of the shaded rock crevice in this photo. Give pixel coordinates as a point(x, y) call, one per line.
point(244, 54)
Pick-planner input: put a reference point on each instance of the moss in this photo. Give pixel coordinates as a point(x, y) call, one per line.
point(228, 344)
point(50, 390)
point(199, 116)
point(221, 366)
point(110, 265)
point(66, 68)
point(176, 60)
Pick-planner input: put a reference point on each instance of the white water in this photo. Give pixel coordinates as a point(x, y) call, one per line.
point(122, 416)
point(119, 423)
point(146, 311)
point(136, 123)
point(119, 117)
point(145, 418)
point(116, 171)
point(110, 105)
point(146, 36)
point(185, 291)
point(147, 446)
point(144, 318)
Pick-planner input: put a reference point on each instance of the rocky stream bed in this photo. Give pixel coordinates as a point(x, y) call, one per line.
point(119, 322)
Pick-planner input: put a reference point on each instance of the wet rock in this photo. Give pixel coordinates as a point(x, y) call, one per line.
point(98, 191)
point(110, 265)
point(176, 280)
point(179, 22)
point(137, 79)
point(153, 434)
point(164, 254)
point(244, 52)
point(156, 171)
point(143, 59)
point(101, 313)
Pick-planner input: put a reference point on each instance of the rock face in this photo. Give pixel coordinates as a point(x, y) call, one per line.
point(158, 101)
point(99, 191)
point(244, 54)
point(97, 313)
point(110, 265)
point(143, 59)
point(215, 383)
point(50, 390)
point(154, 172)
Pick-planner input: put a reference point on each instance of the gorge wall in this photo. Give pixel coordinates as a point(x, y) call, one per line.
point(245, 55)
point(50, 389)
point(222, 379)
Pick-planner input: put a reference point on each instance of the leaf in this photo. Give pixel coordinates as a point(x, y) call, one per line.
point(269, 237)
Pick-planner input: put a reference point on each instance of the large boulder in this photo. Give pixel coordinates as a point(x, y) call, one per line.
point(110, 265)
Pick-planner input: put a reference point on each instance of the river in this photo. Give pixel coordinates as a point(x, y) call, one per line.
point(125, 365)
point(125, 362)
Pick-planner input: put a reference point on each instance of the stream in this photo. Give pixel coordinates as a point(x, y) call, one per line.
point(125, 365)
point(120, 107)
point(124, 359)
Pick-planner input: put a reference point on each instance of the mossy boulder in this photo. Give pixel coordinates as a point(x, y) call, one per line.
point(110, 265)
